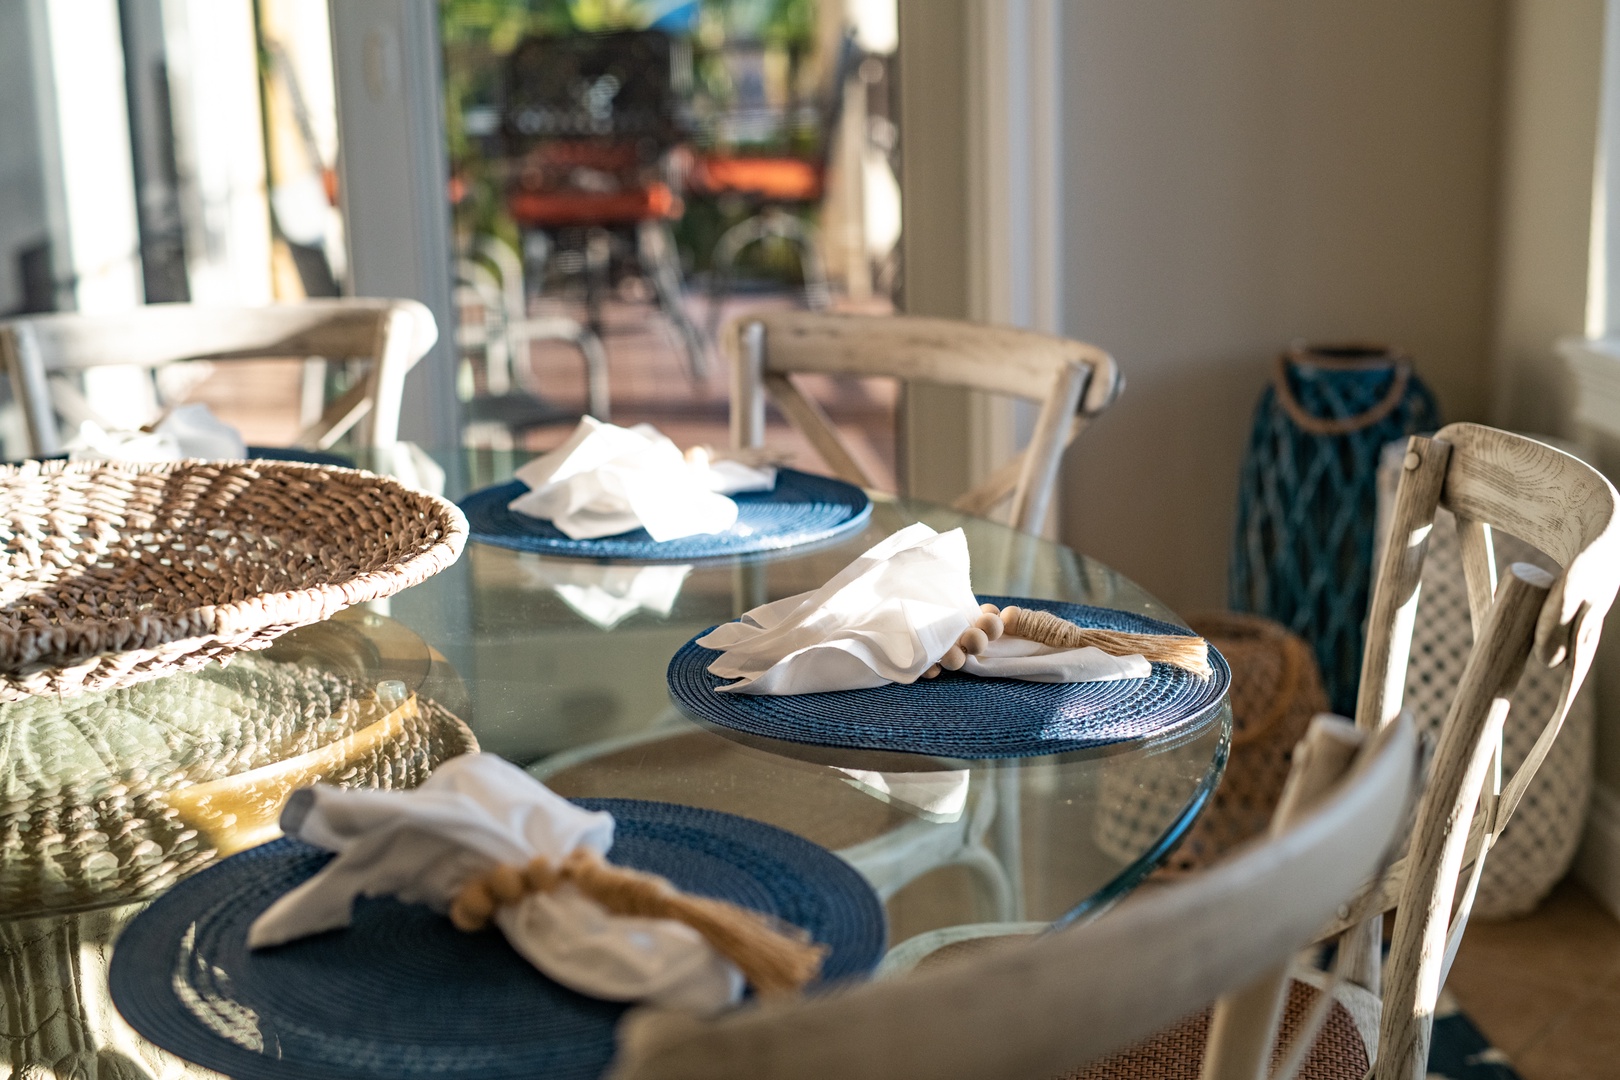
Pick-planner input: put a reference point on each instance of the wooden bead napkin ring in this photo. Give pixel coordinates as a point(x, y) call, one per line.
point(774, 960)
point(1178, 650)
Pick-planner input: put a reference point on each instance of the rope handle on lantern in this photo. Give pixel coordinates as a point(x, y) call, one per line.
point(773, 957)
point(1178, 650)
point(1340, 425)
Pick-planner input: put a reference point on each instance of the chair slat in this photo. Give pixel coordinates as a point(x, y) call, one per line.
point(809, 417)
point(1440, 839)
point(392, 334)
point(1070, 380)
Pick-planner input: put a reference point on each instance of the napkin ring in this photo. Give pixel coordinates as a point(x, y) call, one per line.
point(1178, 650)
point(775, 958)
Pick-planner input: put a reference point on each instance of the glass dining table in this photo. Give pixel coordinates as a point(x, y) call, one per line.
point(558, 665)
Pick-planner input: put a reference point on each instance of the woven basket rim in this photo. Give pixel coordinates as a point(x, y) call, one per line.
point(263, 612)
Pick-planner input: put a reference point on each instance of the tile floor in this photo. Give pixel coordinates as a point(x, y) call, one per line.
point(1545, 989)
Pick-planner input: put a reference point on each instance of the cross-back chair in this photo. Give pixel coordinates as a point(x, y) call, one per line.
point(1564, 508)
point(392, 335)
point(1036, 1007)
point(1488, 479)
point(1070, 380)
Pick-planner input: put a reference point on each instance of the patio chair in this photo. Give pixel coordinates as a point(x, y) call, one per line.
point(588, 120)
point(1071, 381)
point(42, 352)
point(775, 188)
point(1035, 1007)
point(495, 327)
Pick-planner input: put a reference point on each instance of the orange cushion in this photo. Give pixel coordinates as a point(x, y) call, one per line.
point(787, 179)
point(556, 209)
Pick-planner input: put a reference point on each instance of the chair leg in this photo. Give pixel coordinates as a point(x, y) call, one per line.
point(726, 249)
point(775, 222)
point(657, 250)
point(596, 373)
point(780, 223)
point(591, 350)
point(598, 257)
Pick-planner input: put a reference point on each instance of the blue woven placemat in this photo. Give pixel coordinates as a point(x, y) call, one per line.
point(401, 994)
point(965, 716)
point(801, 509)
point(300, 456)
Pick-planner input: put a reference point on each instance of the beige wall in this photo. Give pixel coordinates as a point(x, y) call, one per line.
point(1243, 172)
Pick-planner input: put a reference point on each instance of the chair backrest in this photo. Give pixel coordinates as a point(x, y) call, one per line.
point(1038, 1008)
point(1486, 478)
point(1070, 380)
point(618, 87)
point(392, 334)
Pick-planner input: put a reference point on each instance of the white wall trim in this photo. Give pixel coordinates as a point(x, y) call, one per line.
point(85, 154)
point(390, 100)
point(1595, 365)
point(1014, 235)
point(1603, 275)
point(1597, 864)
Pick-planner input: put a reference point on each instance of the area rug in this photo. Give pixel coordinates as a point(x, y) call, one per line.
point(1460, 1050)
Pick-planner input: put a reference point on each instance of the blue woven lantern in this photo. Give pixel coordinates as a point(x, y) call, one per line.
point(1308, 496)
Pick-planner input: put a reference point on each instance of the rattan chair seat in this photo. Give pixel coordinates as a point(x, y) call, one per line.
point(117, 572)
point(1177, 1053)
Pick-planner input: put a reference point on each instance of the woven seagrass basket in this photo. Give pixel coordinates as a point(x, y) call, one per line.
point(1276, 689)
point(118, 572)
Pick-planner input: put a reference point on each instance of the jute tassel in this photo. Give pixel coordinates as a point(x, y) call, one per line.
point(773, 960)
point(1189, 653)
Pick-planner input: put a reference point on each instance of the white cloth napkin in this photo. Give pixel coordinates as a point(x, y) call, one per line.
point(887, 617)
point(608, 595)
point(939, 796)
point(474, 812)
point(607, 480)
point(188, 431)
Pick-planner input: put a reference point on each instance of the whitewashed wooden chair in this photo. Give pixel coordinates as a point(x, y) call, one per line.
point(1486, 478)
point(1071, 382)
point(40, 351)
point(1564, 508)
point(1036, 1007)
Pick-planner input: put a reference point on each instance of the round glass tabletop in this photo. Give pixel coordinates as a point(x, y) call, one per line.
point(565, 663)
point(559, 666)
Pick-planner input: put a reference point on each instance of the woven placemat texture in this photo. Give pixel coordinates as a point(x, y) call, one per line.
point(801, 509)
point(964, 716)
point(401, 994)
point(116, 572)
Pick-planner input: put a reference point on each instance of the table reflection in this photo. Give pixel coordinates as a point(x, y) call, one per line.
point(107, 799)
